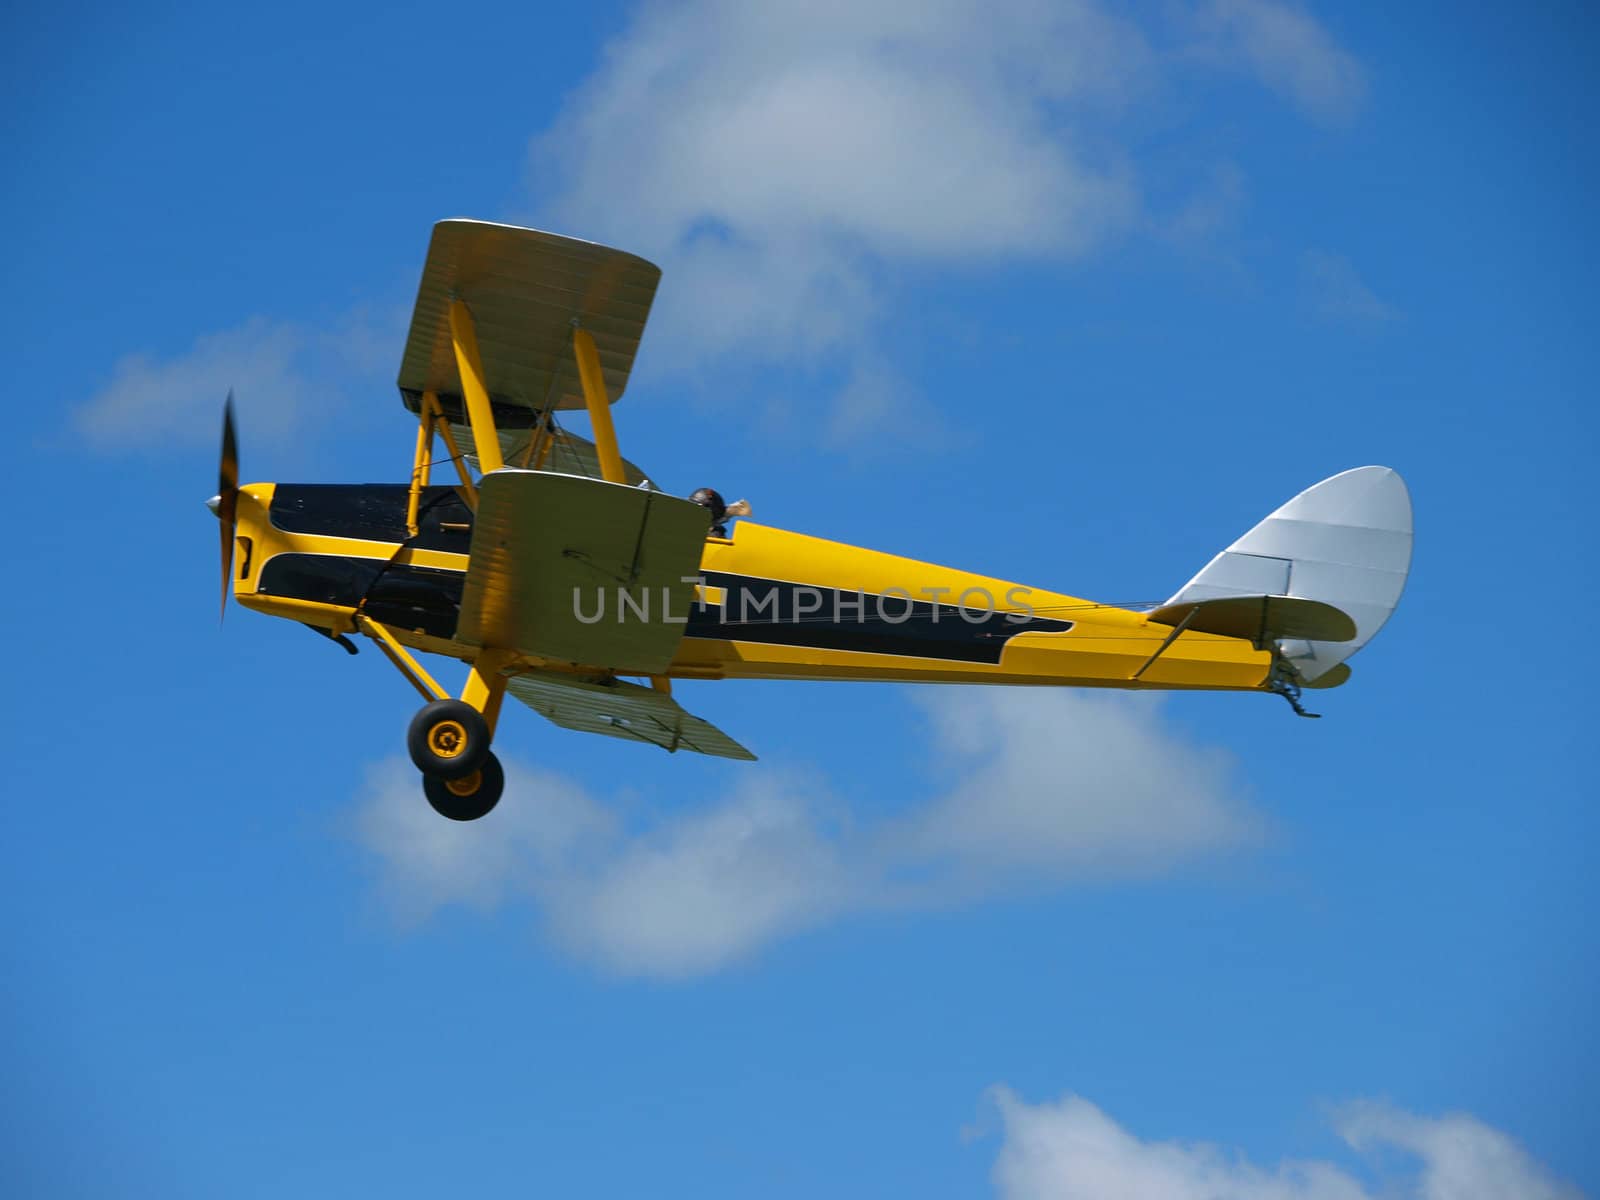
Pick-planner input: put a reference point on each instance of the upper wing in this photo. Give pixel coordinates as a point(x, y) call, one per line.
point(524, 288)
point(623, 710)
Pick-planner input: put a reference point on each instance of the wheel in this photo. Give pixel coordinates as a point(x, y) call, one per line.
point(448, 739)
point(469, 798)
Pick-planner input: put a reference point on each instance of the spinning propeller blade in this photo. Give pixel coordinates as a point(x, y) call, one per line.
point(227, 496)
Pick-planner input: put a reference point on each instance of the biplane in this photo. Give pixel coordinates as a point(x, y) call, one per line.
point(558, 573)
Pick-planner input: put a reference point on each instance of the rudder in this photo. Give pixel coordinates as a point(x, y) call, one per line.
point(1344, 542)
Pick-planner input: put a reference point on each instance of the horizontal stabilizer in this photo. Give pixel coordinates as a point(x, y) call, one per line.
point(1338, 677)
point(622, 710)
point(1260, 619)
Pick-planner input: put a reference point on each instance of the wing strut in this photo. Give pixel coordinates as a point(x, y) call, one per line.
point(432, 418)
point(594, 395)
point(421, 464)
point(464, 337)
point(480, 414)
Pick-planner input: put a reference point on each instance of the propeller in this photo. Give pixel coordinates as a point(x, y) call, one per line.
point(226, 505)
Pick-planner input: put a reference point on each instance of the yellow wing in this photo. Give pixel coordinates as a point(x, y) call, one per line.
point(525, 289)
point(582, 571)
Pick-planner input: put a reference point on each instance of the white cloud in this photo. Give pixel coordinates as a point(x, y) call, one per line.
point(713, 885)
point(779, 160)
point(1044, 786)
point(549, 823)
point(280, 372)
point(1460, 1157)
point(1058, 783)
point(918, 129)
point(784, 162)
point(1290, 51)
point(1070, 1150)
point(788, 163)
point(1335, 290)
point(151, 401)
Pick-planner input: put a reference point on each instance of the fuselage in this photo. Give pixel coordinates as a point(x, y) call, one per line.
point(769, 604)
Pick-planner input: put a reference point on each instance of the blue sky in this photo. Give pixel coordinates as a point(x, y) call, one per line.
point(1064, 293)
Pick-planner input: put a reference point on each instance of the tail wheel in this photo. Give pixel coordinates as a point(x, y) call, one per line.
point(470, 797)
point(448, 739)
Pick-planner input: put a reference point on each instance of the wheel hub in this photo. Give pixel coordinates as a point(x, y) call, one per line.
point(466, 786)
point(448, 739)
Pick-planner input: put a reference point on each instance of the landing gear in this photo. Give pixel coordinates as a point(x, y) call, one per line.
point(448, 739)
point(449, 742)
point(469, 797)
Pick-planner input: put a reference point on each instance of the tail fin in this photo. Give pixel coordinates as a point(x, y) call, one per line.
point(1344, 543)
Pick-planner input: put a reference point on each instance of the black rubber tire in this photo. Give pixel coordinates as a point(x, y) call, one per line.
point(478, 803)
point(444, 726)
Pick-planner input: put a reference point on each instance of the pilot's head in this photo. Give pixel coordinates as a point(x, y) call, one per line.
point(712, 499)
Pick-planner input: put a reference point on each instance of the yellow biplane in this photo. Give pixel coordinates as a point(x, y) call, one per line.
point(559, 573)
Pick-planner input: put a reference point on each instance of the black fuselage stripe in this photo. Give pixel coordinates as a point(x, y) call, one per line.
point(778, 612)
point(754, 609)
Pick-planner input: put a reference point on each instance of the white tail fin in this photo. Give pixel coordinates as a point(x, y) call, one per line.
point(1345, 542)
